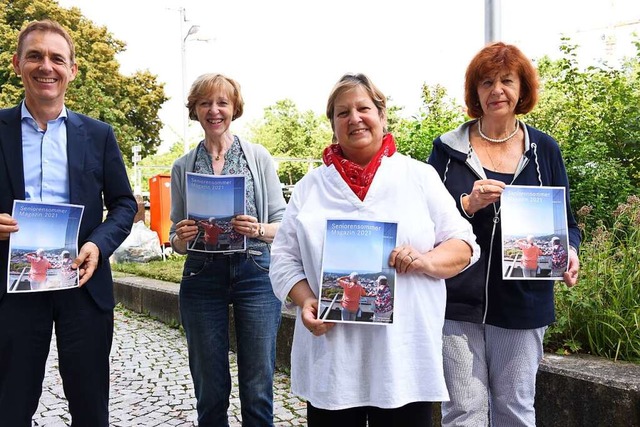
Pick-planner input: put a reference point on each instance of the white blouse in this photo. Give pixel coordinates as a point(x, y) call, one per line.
point(386, 366)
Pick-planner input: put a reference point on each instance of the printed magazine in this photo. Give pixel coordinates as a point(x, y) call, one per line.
point(357, 283)
point(535, 238)
point(42, 250)
point(212, 201)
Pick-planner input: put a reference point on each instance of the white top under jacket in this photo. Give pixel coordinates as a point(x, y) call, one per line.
point(356, 365)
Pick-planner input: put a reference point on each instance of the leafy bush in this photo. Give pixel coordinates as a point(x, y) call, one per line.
point(593, 114)
point(601, 315)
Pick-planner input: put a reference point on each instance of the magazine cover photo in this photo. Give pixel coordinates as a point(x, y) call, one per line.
point(535, 239)
point(357, 284)
point(42, 250)
point(212, 202)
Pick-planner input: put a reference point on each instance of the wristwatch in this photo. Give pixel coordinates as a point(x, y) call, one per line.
point(260, 230)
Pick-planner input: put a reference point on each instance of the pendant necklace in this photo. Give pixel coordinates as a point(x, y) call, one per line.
point(217, 156)
point(495, 168)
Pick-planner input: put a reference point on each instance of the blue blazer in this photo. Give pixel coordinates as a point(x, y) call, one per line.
point(96, 171)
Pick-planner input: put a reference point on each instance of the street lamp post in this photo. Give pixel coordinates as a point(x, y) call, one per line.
point(137, 190)
point(183, 48)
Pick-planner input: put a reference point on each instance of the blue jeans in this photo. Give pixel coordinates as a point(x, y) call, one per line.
point(211, 283)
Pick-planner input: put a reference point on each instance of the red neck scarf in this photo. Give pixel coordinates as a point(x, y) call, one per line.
point(357, 177)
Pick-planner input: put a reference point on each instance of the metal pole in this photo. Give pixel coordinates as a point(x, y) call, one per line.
point(492, 21)
point(183, 52)
point(137, 190)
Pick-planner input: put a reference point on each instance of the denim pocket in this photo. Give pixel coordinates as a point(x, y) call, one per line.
point(261, 262)
point(193, 267)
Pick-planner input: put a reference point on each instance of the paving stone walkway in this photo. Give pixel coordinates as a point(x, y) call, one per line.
point(151, 384)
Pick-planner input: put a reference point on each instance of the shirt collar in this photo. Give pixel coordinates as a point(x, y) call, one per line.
point(24, 112)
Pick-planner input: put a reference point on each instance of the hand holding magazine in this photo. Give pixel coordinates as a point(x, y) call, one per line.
point(212, 202)
point(535, 238)
point(357, 282)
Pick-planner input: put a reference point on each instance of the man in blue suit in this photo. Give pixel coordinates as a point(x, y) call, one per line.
point(51, 154)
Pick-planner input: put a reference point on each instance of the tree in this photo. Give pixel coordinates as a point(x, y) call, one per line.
point(438, 114)
point(129, 103)
point(594, 116)
point(290, 134)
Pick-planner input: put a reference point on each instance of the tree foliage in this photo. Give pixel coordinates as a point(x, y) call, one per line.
point(594, 114)
point(129, 103)
point(438, 114)
point(289, 134)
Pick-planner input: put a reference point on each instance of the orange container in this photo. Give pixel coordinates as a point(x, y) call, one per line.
point(160, 206)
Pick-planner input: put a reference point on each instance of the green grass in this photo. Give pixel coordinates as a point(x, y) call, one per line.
point(169, 270)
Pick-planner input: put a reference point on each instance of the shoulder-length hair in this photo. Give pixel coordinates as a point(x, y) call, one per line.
point(351, 81)
point(206, 84)
point(496, 58)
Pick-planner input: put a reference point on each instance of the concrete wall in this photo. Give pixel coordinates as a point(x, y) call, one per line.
point(572, 391)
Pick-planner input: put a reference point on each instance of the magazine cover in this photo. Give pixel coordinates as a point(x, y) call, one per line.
point(212, 201)
point(42, 250)
point(535, 238)
point(358, 285)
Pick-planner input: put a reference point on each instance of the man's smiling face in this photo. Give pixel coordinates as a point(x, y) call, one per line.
point(46, 68)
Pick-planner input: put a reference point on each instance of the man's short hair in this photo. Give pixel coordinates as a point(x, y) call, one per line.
point(47, 26)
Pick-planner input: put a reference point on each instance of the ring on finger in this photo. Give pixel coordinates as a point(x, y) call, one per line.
point(411, 258)
point(482, 189)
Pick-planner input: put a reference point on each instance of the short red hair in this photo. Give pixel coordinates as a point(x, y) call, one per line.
point(493, 59)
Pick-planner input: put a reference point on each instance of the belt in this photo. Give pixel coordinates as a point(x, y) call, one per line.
point(224, 255)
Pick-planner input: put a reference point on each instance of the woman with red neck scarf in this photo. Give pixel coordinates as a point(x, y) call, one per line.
point(352, 374)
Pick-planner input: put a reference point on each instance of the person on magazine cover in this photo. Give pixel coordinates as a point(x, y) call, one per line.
point(353, 290)
point(49, 153)
point(38, 267)
point(211, 282)
point(337, 367)
point(559, 257)
point(530, 254)
point(494, 329)
point(211, 233)
point(383, 304)
point(67, 273)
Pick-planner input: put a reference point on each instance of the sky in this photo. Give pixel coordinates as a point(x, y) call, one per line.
point(48, 223)
point(359, 249)
point(530, 211)
point(212, 196)
point(298, 49)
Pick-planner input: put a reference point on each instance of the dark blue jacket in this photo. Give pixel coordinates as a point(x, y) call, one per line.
point(97, 175)
point(478, 294)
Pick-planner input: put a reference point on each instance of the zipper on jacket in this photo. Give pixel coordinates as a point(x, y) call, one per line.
point(496, 221)
point(496, 216)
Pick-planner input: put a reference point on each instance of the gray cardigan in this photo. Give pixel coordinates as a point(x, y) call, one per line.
point(270, 202)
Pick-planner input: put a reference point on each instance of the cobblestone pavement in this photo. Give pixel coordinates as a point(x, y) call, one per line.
point(151, 384)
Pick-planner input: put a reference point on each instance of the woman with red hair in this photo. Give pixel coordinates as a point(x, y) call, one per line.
point(493, 329)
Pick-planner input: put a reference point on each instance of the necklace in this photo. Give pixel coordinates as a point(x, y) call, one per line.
point(497, 141)
point(217, 156)
point(495, 168)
